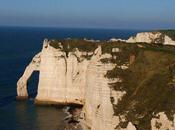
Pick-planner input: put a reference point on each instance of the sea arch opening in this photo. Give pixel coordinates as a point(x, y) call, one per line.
point(32, 84)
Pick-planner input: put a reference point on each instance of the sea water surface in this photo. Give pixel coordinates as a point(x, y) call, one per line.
point(17, 47)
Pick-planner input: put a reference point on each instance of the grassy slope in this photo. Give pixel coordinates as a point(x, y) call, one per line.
point(147, 83)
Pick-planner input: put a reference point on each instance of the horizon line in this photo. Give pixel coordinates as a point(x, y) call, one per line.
point(99, 28)
point(69, 27)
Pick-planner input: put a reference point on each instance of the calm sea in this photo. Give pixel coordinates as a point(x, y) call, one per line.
point(17, 47)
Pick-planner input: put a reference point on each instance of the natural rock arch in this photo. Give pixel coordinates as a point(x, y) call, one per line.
point(59, 78)
point(22, 82)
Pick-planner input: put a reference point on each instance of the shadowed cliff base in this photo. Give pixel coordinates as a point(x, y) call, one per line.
point(54, 103)
point(19, 98)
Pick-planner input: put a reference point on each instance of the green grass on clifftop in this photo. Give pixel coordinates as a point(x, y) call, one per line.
point(148, 83)
point(71, 44)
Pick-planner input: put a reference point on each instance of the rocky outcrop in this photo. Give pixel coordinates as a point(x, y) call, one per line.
point(22, 82)
point(151, 37)
point(147, 37)
point(116, 40)
point(161, 122)
point(61, 79)
point(98, 108)
point(168, 41)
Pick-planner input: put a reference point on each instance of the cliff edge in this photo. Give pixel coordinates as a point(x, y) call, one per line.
point(152, 38)
point(121, 86)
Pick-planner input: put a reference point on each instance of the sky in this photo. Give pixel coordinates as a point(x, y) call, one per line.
point(117, 14)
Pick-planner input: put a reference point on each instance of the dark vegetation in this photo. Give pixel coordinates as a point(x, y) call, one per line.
point(170, 33)
point(70, 44)
point(148, 81)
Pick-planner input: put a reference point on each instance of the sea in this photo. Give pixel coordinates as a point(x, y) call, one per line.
point(17, 47)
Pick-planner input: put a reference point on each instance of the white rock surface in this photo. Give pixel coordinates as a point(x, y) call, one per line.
point(22, 82)
point(168, 41)
point(62, 79)
point(98, 109)
point(151, 37)
point(73, 79)
point(130, 126)
point(116, 40)
point(147, 37)
point(162, 122)
point(115, 50)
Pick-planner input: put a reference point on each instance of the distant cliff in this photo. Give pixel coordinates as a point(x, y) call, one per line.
point(121, 86)
point(162, 37)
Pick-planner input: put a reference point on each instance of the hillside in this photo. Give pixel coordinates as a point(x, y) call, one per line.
point(170, 33)
point(149, 83)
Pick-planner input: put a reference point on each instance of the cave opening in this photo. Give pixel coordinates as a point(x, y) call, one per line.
point(32, 85)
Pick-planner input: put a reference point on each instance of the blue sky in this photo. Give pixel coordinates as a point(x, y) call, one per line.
point(122, 14)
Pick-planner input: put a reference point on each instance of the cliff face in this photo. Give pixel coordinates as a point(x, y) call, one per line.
point(72, 79)
point(152, 37)
point(98, 107)
point(62, 78)
point(117, 83)
point(162, 122)
point(59, 75)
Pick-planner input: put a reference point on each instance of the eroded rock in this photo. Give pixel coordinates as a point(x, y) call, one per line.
point(162, 122)
point(151, 38)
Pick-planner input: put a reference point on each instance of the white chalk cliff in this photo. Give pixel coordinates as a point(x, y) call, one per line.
point(151, 37)
point(161, 122)
point(61, 79)
point(22, 82)
point(73, 79)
